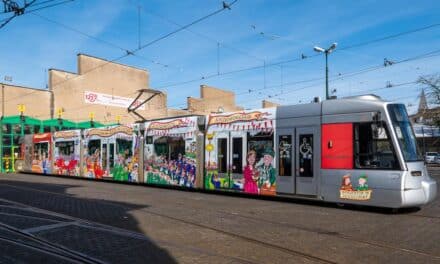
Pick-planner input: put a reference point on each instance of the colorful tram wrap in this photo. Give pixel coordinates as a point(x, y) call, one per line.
point(170, 153)
point(111, 152)
point(67, 151)
point(358, 150)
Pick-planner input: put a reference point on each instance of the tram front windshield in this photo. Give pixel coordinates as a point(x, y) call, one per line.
point(404, 132)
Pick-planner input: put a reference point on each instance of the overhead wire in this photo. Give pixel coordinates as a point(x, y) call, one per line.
point(223, 44)
point(24, 11)
point(301, 58)
point(48, 6)
point(132, 52)
point(110, 44)
point(127, 52)
point(244, 69)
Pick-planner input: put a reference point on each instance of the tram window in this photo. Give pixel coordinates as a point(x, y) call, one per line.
point(65, 149)
point(260, 143)
point(285, 155)
point(161, 147)
point(123, 146)
point(222, 155)
point(41, 150)
point(306, 155)
point(123, 152)
point(372, 147)
point(237, 155)
point(94, 146)
point(177, 147)
point(149, 140)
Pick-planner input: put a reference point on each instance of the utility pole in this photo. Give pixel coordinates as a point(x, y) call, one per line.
point(326, 52)
point(326, 76)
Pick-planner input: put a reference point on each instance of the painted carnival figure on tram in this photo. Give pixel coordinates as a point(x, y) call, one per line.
point(267, 173)
point(251, 174)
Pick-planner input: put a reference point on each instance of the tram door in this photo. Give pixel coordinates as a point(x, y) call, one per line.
point(236, 161)
point(107, 154)
point(306, 161)
point(104, 155)
point(222, 157)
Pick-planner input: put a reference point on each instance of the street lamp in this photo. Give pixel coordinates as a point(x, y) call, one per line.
point(326, 52)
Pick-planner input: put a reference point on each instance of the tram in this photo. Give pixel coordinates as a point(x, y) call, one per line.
point(355, 150)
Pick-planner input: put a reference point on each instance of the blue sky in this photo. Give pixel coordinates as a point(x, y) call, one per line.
point(29, 45)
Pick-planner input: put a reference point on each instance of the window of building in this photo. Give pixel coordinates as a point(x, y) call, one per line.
point(373, 148)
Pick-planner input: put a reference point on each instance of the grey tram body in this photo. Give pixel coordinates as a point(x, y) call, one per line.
point(391, 188)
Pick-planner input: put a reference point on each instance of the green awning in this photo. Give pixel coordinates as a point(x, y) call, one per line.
point(55, 122)
point(87, 124)
point(17, 120)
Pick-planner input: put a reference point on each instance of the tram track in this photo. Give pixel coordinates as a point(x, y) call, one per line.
point(92, 225)
point(230, 234)
point(46, 246)
point(336, 234)
point(258, 241)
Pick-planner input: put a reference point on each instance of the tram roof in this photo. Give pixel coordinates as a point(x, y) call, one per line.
point(346, 105)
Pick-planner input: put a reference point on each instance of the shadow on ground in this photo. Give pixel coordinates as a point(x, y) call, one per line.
point(107, 245)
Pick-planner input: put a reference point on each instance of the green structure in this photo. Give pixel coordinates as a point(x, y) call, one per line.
point(13, 128)
point(57, 124)
point(89, 124)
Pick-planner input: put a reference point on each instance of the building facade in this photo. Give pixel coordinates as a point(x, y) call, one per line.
point(103, 90)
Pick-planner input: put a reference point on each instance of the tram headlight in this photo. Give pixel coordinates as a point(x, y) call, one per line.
point(416, 173)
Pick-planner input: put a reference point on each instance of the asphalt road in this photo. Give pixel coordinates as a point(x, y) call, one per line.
point(89, 221)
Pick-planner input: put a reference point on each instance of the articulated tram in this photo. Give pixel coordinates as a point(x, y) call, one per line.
point(358, 150)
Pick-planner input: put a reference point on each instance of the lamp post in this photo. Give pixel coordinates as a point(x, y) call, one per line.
point(326, 52)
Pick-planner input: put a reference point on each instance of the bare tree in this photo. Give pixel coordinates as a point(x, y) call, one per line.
point(432, 85)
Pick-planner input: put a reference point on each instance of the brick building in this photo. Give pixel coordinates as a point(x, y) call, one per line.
point(105, 89)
